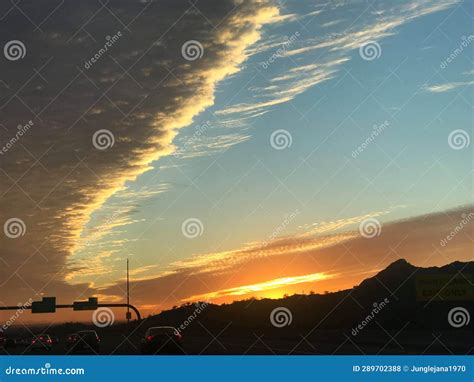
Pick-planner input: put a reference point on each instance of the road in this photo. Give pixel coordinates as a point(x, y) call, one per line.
point(323, 342)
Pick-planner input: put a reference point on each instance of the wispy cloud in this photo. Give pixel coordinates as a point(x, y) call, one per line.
point(446, 87)
point(225, 261)
point(325, 227)
point(209, 145)
point(335, 49)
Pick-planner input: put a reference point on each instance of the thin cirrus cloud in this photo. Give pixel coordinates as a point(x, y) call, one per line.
point(203, 146)
point(334, 50)
point(142, 90)
point(446, 87)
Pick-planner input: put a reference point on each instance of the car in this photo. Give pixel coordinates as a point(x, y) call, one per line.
point(162, 340)
point(87, 341)
point(71, 339)
point(41, 342)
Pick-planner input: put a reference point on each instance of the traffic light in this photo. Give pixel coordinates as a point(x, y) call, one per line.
point(47, 305)
point(91, 304)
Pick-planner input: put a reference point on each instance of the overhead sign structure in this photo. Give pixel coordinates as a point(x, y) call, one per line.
point(47, 305)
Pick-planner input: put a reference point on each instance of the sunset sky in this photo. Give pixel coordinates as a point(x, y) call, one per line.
point(246, 165)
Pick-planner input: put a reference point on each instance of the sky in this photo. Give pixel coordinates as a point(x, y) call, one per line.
point(230, 149)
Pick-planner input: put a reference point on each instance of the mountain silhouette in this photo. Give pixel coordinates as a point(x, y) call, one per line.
point(400, 284)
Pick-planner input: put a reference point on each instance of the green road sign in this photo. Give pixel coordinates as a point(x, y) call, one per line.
point(47, 305)
point(91, 304)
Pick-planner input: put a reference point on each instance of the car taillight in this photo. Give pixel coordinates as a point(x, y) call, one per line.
point(149, 338)
point(49, 341)
point(178, 336)
point(33, 341)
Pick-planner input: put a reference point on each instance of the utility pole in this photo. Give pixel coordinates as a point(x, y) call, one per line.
point(128, 294)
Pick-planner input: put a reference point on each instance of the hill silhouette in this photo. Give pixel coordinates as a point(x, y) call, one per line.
point(396, 284)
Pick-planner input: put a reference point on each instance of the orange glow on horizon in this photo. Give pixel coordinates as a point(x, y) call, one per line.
point(261, 287)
